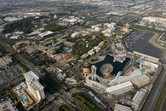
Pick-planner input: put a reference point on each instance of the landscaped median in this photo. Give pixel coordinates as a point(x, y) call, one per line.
point(160, 99)
point(85, 103)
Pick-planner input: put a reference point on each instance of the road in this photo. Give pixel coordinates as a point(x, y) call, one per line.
point(66, 98)
point(54, 106)
point(153, 41)
point(164, 106)
point(153, 96)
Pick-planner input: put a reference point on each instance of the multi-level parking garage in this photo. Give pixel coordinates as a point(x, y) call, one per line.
point(138, 41)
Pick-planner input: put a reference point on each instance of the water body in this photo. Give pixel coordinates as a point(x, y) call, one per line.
point(117, 66)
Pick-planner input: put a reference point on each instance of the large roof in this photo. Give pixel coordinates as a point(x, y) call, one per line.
point(119, 86)
point(139, 97)
point(119, 107)
point(30, 75)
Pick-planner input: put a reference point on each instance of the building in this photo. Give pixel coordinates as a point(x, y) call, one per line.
point(120, 88)
point(21, 91)
point(128, 76)
point(37, 13)
point(137, 101)
point(45, 33)
point(75, 34)
point(125, 30)
point(15, 37)
point(141, 80)
point(147, 57)
point(108, 32)
point(34, 87)
point(12, 19)
point(72, 20)
point(97, 27)
point(101, 43)
point(97, 48)
point(154, 19)
point(108, 25)
point(119, 107)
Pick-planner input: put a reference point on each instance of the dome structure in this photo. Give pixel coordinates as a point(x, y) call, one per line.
point(86, 71)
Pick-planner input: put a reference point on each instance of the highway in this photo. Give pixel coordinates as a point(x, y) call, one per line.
point(153, 96)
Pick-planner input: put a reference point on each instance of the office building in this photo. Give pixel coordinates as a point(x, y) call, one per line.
point(34, 87)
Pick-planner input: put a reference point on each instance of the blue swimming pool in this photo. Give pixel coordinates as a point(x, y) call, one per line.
point(65, 48)
point(23, 96)
point(69, 50)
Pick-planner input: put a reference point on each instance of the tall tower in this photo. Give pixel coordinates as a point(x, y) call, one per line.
point(93, 69)
point(93, 72)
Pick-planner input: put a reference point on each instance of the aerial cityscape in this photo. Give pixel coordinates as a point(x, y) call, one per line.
point(82, 55)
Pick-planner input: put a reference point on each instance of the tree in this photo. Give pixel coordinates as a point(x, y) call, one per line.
point(24, 25)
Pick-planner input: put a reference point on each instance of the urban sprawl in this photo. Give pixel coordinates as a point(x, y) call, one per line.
point(82, 55)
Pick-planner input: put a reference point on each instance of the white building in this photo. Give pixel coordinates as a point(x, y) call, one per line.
point(97, 27)
point(34, 87)
point(122, 79)
point(12, 19)
point(14, 37)
point(45, 33)
point(154, 19)
point(75, 34)
point(138, 98)
point(119, 107)
point(97, 48)
point(120, 88)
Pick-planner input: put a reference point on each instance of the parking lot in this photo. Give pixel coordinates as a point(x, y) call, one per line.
point(2, 79)
point(139, 41)
point(14, 74)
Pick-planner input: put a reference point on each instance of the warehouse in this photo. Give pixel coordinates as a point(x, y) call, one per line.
point(141, 80)
point(120, 88)
point(138, 98)
point(119, 107)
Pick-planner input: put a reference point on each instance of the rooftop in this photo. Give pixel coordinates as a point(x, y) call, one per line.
point(119, 86)
point(30, 75)
point(119, 107)
point(45, 33)
point(36, 85)
point(139, 97)
point(33, 80)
